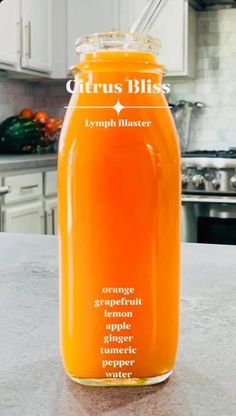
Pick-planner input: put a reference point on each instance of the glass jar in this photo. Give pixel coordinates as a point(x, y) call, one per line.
point(119, 203)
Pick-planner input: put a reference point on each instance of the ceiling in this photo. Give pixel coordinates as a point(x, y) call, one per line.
point(203, 4)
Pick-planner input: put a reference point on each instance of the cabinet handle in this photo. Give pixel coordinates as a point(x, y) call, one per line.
point(4, 190)
point(3, 224)
point(53, 222)
point(28, 187)
point(29, 26)
point(21, 40)
point(28, 33)
point(18, 28)
point(26, 41)
point(45, 222)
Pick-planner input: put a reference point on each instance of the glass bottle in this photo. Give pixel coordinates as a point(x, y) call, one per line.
point(119, 202)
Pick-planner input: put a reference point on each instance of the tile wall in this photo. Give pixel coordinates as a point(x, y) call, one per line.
point(213, 127)
point(17, 94)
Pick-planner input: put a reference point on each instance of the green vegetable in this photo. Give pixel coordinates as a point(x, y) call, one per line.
point(19, 135)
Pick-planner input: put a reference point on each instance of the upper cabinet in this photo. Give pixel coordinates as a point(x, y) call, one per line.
point(32, 37)
point(36, 35)
point(129, 12)
point(9, 33)
point(174, 26)
point(89, 16)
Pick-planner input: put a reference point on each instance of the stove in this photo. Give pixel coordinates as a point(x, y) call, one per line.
point(209, 172)
point(209, 196)
point(223, 154)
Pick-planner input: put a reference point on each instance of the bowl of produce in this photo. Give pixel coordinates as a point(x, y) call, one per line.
point(30, 132)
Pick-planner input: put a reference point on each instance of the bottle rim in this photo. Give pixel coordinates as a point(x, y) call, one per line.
point(117, 41)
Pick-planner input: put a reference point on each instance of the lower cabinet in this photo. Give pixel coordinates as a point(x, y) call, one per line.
point(24, 218)
point(30, 205)
point(51, 216)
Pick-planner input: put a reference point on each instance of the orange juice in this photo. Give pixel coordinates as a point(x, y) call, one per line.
point(119, 201)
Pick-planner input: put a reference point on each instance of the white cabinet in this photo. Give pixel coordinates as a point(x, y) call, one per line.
point(9, 33)
point(174, 26)
point(58, 39)
point(32, 37)
point(23, 187)
point(51, 215)
point(50, 183)
point(170, 28)
point(36, 35)
point(129, 11)
point(22, 210)
point(30, 206)
point(24, 218)
point(89, 16)
point(50, 192)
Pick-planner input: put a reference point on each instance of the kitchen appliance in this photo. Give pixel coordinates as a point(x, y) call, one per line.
point(204, 4)
point(209, 196)
point(182, 113)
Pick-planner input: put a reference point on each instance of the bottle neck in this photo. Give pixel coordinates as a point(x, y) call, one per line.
point(118, 61)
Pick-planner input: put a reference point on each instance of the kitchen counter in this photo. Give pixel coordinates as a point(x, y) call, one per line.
point(32, 381)
point(18, 162)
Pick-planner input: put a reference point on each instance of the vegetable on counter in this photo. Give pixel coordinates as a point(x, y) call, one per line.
point(53, 124)
point(26, 112)
point(41, 117)
point(29, 132)
point(19, 135)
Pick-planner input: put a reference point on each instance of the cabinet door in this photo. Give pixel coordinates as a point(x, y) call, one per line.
point(24, 218)
point(129, 12)
point(9, 32)
point(23, 187)
point(51, 216)
point(89, 16)
point(50, 183)
point(174, 26)
point(36, 36)
point(171, 28)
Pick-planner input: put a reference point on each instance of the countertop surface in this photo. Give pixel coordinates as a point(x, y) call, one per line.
point(17, 162)
point(32, 380)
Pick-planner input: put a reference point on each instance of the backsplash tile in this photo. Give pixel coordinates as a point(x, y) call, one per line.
point(17, 94)
point(214, 126)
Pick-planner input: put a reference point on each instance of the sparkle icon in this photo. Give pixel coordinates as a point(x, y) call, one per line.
point(118, 107)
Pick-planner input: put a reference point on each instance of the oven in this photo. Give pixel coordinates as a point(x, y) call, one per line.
point(209, 219)
point(209, 197)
